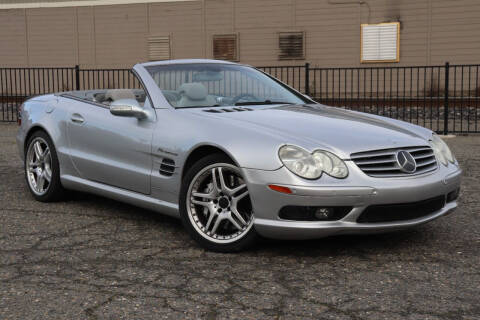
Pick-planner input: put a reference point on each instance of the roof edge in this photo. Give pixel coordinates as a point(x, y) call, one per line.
point(85, 3)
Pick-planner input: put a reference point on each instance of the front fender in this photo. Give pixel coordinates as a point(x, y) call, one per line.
point(43, 113)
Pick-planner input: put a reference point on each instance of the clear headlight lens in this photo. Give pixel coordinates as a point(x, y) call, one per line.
point(311, 166)
point(442, 151)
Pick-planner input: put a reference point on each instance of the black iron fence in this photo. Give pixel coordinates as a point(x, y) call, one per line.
point(444, 98)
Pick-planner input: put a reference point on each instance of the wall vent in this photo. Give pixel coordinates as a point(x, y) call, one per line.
point(225, 47)
point(380, 42)
point(291, 45)
point(158, 48)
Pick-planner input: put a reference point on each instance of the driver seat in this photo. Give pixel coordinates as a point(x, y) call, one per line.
point(194, 94)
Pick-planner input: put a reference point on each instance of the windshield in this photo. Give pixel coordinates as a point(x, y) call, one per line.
point(215, 85)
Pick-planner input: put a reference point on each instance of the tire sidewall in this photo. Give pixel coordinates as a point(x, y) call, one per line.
point(55, 190)
point(242, 243)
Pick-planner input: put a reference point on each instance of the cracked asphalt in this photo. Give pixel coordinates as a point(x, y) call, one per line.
point(94, 258)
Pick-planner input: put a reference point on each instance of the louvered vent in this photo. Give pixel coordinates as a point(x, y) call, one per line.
point(380, 42)
point(158, 48)
point(225, 47)
point(383, 163)
point(167, 167)
point(227, 110)
point(291, 45)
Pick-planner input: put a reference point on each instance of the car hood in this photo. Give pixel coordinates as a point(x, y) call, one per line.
point(321, 127)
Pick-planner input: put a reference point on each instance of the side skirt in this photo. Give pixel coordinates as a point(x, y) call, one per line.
point(140, 200)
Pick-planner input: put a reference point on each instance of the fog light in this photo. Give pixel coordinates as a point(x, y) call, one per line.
point(323, 213)
point(310, 213)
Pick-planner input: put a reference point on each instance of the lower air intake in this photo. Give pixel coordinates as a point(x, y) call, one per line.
point(401, 211)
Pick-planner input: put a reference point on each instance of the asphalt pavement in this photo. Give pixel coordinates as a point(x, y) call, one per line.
point(93, 258)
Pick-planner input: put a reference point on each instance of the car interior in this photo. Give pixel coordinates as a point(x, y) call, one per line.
point(187, 95)
point(107, 96)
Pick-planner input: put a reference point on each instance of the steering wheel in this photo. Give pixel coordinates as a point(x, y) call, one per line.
point(244, 96)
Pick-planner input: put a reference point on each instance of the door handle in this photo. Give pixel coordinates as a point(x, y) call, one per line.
point(77, 118)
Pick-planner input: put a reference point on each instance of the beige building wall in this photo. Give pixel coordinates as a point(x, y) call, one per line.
point(432, 31)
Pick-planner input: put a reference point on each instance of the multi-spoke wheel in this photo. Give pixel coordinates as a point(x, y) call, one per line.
point(216, 206)
point(41, 168)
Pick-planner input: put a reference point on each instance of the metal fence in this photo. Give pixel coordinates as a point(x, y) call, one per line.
point(444, 98)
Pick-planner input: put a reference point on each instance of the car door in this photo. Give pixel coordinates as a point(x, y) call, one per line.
point(110, 149)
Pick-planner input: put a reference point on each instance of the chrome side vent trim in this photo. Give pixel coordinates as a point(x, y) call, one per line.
point(167, 167)
point(383, 163)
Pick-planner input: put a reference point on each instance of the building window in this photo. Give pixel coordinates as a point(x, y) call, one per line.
point(291, 45)
point(158, 48)
point(380, 42)
point(225, 47)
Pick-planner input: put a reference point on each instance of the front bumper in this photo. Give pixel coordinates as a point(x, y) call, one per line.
point(358, 191)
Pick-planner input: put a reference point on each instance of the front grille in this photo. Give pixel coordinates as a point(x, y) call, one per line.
point(383, 163)
point(401, 211)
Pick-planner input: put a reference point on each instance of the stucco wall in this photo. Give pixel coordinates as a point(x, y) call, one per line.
point(432, 32)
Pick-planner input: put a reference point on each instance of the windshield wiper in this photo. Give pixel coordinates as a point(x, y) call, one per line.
point(252, 103)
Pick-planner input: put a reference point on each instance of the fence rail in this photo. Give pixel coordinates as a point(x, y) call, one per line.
point(444, 98)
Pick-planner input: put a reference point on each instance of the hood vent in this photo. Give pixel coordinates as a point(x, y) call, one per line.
point(167, 167)
point(238, 109)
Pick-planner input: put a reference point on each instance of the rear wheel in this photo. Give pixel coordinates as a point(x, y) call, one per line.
point(215, 205)
point(42, 170)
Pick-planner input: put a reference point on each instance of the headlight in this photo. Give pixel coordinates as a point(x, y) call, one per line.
point(311, 166)
point(442, 151)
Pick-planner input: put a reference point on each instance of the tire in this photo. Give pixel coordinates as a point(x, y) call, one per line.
point(46, 166)
point(221, 219)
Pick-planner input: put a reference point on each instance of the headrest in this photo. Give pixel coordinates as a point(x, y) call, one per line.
point(117, 94)
point(193, 91)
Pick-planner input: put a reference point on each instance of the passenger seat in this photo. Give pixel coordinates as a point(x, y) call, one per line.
point(194, 94)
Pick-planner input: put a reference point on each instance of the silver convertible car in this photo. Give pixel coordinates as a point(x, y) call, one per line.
point(236, 154)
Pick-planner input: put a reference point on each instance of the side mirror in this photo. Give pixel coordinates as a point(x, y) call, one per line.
point(127, 108)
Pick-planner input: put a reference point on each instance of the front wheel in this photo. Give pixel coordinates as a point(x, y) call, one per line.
point(215, 205)
point(42, 170)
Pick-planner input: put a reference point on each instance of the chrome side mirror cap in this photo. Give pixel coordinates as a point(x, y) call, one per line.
point(128, 108)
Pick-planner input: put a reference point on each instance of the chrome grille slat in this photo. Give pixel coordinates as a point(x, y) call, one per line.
point(383, 163)
point(428, 162)
point(367, 162)
point(380, 169)
point(424, 156)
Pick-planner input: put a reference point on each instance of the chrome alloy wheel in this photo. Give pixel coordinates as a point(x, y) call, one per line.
point(219, 205)
point(39, 166)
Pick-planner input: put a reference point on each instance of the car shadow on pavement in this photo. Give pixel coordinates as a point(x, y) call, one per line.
point(333, 245)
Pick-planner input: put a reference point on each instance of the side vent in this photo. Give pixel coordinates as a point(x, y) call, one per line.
point(167, 167)
point(227, 110)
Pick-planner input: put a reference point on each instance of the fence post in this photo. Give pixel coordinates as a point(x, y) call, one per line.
point(77, 77)
point(445, 104)
point(307, 78)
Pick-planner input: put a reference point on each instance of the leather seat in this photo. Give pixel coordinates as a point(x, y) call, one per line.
point(194, 94)
point(117, 94)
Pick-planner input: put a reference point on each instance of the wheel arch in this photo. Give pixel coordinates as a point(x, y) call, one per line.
point(202, 151)
point(31, 131)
